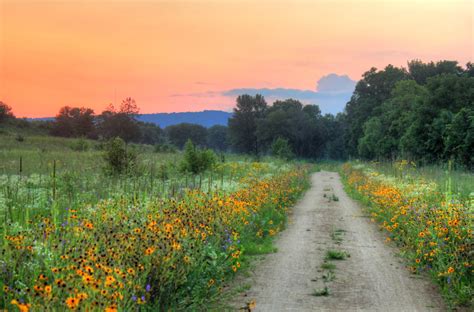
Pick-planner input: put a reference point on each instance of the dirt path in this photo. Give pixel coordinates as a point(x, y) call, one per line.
point(373, 278)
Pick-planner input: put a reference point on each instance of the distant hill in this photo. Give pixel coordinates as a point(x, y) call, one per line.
point(207, 118)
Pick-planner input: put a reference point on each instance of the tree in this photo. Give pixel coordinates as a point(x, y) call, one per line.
point(5, 112)
point(74, 122)
point(119, 159)
point(420, 71)
point(298, 124)
point(217, 138)
point(370, 92)
point(249, 111)
point(179, 134)
point(459, 138)
point(150, 133)
point(120, 123)
point(195, 160)
point(281, 149)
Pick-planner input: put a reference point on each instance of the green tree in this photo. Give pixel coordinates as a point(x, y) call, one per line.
point(118, 158)
point(179, 134)
point(459, 138)
point(369, 95)
point(249, 111)
point(195, 160)
point(282, 149)
point(217, 138)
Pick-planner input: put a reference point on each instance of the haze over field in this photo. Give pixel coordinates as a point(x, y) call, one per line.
point(174, 56)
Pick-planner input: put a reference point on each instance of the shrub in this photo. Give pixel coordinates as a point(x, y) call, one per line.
point(282, 149)
point(119, 159)
point(195, 160)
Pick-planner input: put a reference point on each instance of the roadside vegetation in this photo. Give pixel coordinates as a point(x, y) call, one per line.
point(430, 220)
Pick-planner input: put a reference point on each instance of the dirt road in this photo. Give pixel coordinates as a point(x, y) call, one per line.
point(373, 278)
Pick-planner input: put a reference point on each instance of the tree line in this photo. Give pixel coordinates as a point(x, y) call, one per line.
point(424, 112)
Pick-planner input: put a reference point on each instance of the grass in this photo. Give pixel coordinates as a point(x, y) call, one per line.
point(337, 236)
point(333, 254)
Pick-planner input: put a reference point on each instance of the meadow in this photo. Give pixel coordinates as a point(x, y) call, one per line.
point(74, 237)
point(428, 212)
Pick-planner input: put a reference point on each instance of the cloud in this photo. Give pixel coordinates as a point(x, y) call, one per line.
point(332, 94)
point(334, 83)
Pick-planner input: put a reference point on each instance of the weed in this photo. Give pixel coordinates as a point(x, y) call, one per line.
point(328, 266)
point(323, 292)
point(336, 255)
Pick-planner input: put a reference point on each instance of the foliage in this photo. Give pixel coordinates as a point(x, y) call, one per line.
point(5, 112)
point(217, 138)
point(248, 113)
point(412, 114)
point(434, 229)
point(119, 159)
point(179, 134)
point(196, 160)
point(281, 149)
point(74, 122)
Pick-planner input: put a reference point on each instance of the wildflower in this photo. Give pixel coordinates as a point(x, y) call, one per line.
point(112, 308)
point(210, 282)
point(72, 302)
point(149, 251)
point(450, 270)
point(47, 289)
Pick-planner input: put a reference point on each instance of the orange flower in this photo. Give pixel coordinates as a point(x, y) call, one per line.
point(149, 251)
point(72, 302)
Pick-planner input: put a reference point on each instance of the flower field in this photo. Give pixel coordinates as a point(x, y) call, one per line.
point(163, 253)
point(434, 229)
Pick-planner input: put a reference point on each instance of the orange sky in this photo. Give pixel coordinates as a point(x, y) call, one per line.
point(180, 55)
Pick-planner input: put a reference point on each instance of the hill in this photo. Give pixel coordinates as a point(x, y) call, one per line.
point(207, 118)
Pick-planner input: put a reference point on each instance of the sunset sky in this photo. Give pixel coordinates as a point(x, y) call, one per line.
point(191, 55)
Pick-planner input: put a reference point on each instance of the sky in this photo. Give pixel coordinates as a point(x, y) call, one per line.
point(178, 55)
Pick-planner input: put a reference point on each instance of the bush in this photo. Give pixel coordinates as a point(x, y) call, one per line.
point(119, 159)
point(196, 160)
point(282, 149)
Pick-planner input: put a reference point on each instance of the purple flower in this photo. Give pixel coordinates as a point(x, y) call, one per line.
point(134, 298)
point(143, 298)
point(148, 288)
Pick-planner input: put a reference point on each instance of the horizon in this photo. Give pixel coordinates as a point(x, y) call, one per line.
point(190, 56)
